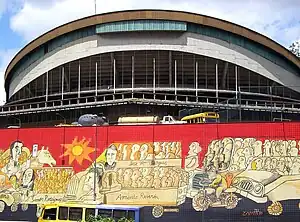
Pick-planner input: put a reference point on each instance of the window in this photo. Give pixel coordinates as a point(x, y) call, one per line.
point(89, 212)
point(118, 214)
point(63, 213)
point(75, 213)
point(131, 214)
point(209, 120)
point(50, 214)
point(105, 213)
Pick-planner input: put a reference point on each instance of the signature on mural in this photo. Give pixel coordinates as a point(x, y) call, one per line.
point(151, 173)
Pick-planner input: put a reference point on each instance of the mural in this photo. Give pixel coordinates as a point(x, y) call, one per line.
point(217, 173)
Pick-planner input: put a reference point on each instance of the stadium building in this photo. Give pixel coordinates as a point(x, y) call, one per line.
point(152, 62)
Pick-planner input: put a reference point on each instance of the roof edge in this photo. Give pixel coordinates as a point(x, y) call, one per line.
point(149, 14)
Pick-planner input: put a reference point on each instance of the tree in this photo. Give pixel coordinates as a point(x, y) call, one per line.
point(295, 48)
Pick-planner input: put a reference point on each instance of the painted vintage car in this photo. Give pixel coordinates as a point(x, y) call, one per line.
point(264, 186)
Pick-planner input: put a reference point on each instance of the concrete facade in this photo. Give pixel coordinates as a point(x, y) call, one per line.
point(184, 42)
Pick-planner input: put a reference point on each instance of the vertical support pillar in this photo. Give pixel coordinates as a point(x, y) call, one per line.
point(62, 82)
point(100, 73)
point(132, 73)
point(114, 76)
point(197, 81)
point(217, 83)
point(271, 97)
point(175, 80)
point(47, 85)
point(79, 80)
point(240, 104)
point(96, 81)
point(154, 74)
point(170, 69)
point(236, 84)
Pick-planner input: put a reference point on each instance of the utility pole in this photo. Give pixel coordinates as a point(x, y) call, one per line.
point(95, 1)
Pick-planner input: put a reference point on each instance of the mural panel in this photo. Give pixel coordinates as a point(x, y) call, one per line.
point(179, 166)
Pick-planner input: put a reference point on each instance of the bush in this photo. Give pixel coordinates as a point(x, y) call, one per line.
point(107, 219)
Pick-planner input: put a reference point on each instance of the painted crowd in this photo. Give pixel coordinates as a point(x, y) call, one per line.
point(154, 173)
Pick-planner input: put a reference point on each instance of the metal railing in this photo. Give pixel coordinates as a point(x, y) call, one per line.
point(162, 99)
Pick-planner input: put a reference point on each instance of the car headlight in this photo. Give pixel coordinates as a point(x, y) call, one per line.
point(258, 188)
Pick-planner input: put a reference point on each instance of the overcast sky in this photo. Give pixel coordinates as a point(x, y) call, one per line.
point(23, 20)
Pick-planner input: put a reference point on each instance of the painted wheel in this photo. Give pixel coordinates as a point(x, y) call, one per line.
point(14, 207)
point(24, 207)
point(275, 209)
point(2, 206)
point(201, 202)
point(231, 201)
point(157, 211)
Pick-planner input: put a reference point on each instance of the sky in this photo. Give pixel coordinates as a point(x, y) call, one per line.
point(21, 21)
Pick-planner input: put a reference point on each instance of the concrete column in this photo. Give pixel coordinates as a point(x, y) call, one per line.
point(47, 85)
point(132, 73)
point(217, 83)
point(170, 68)
point(96, 77)
point(175, 76)
point(196, 79)
point(62, 82)
point(154, 74)
point(114, 76)
point(79, 80)
point(236, 82)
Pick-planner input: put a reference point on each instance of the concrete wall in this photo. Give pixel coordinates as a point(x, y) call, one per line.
point(185, 42)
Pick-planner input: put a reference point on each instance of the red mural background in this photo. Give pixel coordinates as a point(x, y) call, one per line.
point(101, 137)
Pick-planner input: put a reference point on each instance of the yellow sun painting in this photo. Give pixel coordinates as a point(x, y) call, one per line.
point(78, 150)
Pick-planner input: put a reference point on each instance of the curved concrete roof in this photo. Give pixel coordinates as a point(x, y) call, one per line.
point(152, 14)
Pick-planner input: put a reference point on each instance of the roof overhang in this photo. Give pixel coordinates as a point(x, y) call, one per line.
point(152, 15)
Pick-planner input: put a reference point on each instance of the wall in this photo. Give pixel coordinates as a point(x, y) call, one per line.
point(227, 168)
point(187, 42)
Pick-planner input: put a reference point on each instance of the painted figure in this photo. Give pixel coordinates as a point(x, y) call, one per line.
point(111, 157)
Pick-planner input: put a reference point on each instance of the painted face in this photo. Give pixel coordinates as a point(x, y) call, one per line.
point(89, 179)
point(212, 174)
point(144, 148)
point(242, 162)
point(273, 163)
point(27, 177)
point(247, 152)
point(259, 164)
point(194, 148)
point(16, 150)
point(209, 157)
point(281, 165)
point(227, 152)
point(136, 174)
point(111, 156)
point(295, 169)
point(156, 147)
point(267, 144)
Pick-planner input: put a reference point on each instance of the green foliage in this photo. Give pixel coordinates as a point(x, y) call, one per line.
point(107, 219)
point(295, 48)
point(125, 220)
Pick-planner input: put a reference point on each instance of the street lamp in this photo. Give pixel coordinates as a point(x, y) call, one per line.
point(58, 114)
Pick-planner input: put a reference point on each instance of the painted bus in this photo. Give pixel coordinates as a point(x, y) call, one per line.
point(184, 172)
